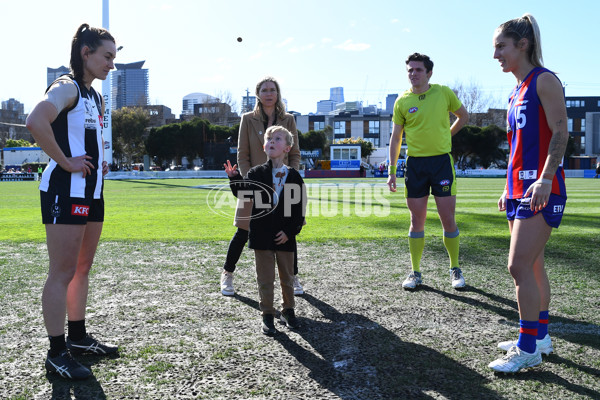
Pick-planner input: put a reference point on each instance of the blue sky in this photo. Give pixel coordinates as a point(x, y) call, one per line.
point(310, 46)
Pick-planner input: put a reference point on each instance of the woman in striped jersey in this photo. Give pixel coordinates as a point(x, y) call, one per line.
point(534, 197)
point(67, 125)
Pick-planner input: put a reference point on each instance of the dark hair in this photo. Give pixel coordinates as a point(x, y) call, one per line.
point(90, 37)
point(421, 57)
point(525, 27)
point(279, 106)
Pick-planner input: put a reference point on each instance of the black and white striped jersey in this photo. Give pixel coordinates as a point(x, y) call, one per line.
point(78, 131)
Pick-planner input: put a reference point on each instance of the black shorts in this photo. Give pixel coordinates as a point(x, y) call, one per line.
point(70, 210)
point(425, 173)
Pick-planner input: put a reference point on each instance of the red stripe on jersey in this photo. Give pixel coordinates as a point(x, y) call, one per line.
point(543, 321)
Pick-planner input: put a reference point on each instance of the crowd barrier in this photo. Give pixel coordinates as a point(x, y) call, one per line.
point(16, 177)
point(468, 173)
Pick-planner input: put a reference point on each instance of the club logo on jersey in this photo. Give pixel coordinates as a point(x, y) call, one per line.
point(412, 110)
point(55, 210)
point(89, 106)
point(82, 211)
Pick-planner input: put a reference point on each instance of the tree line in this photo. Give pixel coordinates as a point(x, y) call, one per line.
point(472, 147)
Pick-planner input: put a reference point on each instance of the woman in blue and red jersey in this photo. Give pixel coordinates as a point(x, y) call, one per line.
point(534, 197)
point(67, 125)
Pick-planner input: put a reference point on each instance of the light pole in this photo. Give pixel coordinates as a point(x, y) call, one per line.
point(107, 94)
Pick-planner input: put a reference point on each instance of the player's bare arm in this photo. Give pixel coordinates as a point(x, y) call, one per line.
point(550, 92)
point(551, 96)
point(395, 143)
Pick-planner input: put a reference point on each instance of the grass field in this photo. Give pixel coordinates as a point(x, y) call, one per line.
point(155, 293)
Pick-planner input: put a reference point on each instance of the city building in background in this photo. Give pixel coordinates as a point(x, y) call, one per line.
point(348, 106)
point(325, 107)
point(375, 128)
point(190, 100)
point(336, 94)
point(16, 107)
point(159, 115)
point(216, 112)
point(12, 121)
point(248, 102)
point(129, 85)
point(54, 73)
point(390, 100)
point(583, 123)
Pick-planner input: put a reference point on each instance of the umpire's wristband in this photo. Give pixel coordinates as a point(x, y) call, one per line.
point(392, 170)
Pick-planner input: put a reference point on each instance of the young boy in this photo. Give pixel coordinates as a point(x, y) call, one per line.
point(278, 211)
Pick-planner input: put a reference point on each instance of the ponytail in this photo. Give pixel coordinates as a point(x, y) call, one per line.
point(525, 27)
point(86, 36)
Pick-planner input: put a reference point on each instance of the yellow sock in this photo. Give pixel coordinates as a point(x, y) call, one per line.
point(451, 241)
point(416, 244)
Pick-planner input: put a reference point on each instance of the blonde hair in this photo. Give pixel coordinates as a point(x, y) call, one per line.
point(525, 27)
point(279, 106)
point(289, 138)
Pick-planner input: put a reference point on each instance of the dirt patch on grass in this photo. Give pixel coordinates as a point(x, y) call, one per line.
point(362, 336)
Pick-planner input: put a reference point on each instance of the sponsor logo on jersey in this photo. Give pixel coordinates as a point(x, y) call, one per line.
point(445, 182)
point(558, 209)
point(528, 174)
point(412, 110)
point(55, 210)
point(525, 203)
point(77, 209)
point(422, 97)
point(91, 121)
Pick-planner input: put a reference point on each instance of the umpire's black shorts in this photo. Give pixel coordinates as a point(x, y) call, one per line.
point(435, 173)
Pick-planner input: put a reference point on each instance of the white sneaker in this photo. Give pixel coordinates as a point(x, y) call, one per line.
point(227, 284)
point(298, 289)
point(543, 345)
point(412, 280)
point(458, 281)
point(515, 360)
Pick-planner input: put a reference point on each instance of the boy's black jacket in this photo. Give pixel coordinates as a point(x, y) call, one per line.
point(288, 215)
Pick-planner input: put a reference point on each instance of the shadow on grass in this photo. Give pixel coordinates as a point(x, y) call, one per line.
point(570, 333)
point(86, 389)
point(549, 378)
point(355, 357)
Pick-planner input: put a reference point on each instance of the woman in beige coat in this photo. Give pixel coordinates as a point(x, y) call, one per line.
point(269, 111)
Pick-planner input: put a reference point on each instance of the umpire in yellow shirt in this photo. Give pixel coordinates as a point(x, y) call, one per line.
point(422, 113)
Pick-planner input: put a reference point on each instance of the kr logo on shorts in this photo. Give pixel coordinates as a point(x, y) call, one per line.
point(81, 211)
